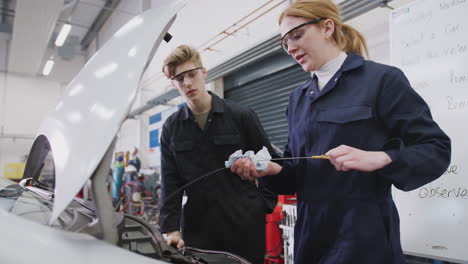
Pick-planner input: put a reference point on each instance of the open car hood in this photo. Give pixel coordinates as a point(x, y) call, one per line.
point(95, 104)
point(24, 241)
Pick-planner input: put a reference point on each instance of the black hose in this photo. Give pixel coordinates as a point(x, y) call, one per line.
point(171, 195)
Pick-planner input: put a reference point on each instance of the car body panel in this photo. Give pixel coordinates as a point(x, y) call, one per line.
point(30, 242)
point(90, 113)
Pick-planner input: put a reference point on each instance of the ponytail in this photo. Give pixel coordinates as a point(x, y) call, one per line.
point(354, 41)
point(346, 37)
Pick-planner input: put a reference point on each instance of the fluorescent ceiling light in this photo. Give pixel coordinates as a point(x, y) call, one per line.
point(48, 67)
point(62, 36)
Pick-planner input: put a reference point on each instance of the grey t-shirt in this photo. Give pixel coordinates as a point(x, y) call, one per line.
point(201, 119)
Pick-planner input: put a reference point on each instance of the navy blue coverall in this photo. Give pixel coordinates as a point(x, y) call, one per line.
point(350, 217)
point(223, 212)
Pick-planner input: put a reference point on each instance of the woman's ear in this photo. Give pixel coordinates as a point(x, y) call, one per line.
point(329, 28)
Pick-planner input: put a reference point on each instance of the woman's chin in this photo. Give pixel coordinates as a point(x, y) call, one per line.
point(307, 67)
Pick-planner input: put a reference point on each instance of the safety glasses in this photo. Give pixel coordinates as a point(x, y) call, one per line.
point(296, 33)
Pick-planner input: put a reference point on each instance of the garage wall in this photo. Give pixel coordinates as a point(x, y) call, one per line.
point(24, 102)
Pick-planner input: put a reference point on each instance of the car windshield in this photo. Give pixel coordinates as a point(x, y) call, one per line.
point(25, 203)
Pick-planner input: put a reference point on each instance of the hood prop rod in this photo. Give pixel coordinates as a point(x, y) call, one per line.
point(104, 209)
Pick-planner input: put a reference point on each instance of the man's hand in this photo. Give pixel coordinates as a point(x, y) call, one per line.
point(346, 158)
point(246, 169)
point(175, 238)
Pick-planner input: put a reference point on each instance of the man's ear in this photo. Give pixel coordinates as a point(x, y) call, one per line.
point(205, 72)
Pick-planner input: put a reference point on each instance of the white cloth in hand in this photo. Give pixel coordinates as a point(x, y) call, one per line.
point(260, 159)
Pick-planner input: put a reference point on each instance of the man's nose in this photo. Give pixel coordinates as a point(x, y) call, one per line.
point(187, 81)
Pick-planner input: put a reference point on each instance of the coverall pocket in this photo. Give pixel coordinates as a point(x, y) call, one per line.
point(344, 115)
point(226, 144)
point(348, 125)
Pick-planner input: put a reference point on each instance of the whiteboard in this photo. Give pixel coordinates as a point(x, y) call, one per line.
point(429, 42)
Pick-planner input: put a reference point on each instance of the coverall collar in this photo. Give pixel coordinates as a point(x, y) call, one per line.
point(352, 61)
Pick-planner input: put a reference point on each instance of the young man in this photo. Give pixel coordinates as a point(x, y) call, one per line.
point(223, 212)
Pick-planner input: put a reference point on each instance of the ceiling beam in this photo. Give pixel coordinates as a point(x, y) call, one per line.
point(99, 22)
point(33, 26)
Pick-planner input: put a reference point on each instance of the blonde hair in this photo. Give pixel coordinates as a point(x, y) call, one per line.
point(178, 56)
point(346, 37)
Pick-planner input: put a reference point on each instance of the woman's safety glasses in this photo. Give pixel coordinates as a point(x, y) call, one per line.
point(296, 33)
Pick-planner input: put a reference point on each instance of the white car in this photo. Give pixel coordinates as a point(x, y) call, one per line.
point(46, 223)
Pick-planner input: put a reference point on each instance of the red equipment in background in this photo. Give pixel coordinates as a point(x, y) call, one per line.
point(273, 239)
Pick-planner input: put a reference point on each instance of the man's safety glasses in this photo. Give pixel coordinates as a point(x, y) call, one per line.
point(179, 78)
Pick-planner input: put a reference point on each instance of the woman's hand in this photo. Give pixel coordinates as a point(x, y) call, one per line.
point(246, 169)
point(346, 158)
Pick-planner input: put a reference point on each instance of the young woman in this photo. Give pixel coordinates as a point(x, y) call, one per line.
point(375, 129)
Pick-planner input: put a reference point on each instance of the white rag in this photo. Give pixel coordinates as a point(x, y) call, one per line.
point(260, 159)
